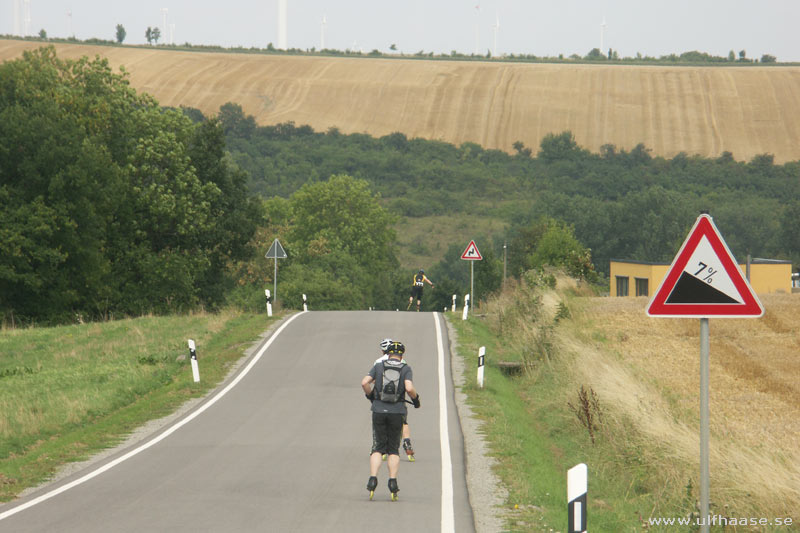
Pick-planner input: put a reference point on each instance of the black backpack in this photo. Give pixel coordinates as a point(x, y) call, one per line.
point(390, 390)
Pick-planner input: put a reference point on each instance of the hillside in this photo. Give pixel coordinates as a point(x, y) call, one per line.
point(697, 110)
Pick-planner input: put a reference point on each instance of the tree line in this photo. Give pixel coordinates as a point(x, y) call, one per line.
point(111, 205)
point(623, 204)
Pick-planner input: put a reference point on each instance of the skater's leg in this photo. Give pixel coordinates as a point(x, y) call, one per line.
point(393, 462)
point(374, 463)
point(406, 432)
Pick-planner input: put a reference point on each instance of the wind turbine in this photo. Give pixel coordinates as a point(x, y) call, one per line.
point(496, 28)
point(282, 24)
point(322, 33)
point(26, 4)
point(164, 23)
point(602, 34)
point(477, 17)
point(69, 16)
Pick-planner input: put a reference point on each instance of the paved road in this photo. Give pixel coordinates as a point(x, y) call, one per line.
point(284, 449)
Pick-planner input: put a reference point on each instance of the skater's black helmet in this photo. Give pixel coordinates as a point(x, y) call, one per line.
point(396, 348)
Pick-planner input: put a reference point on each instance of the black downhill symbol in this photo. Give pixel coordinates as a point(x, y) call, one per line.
point(690, 290)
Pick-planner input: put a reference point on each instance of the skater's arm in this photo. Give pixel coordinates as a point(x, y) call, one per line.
point(429, 281)
point(412, 392)
point(366, 384)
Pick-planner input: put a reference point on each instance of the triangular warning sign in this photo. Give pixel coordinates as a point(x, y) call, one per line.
point(471, 253)
point(276, 251)
point(704, 280)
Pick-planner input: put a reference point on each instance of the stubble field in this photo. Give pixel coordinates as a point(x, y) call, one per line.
point(648, 369)
point(698, 110)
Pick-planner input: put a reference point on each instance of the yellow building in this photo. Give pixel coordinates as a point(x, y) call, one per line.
point(642, 278)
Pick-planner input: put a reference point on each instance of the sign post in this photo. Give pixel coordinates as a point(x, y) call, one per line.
point(471, 254)
point(275, 252)
point(704, 281)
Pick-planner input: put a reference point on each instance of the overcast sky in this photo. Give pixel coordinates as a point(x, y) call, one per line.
point(540, 27)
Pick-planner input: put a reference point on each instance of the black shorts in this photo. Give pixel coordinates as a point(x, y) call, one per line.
point(387, 432)
point(416, 291)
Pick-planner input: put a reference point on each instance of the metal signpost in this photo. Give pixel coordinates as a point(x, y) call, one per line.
point(275, 252)
point(471, 254)
point(704, 281)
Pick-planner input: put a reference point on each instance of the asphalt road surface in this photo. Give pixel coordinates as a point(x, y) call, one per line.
point(283, 445)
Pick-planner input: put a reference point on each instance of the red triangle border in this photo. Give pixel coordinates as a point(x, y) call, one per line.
point(751, 306)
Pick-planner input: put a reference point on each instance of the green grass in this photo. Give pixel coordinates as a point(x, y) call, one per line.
point(423, 241)
point(536, 438)
point(67, 392)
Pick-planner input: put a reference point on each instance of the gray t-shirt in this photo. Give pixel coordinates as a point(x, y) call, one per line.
point(376, 372)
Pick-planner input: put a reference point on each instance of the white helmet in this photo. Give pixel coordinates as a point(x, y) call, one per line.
point(385, 344)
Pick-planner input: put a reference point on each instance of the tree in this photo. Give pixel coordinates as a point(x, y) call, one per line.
point(742, 55)
point(731, 56)
point(558, 147)
point(766, 58)
point(108, 203)
point(155, 34)
point(338, 227)
point(234, 122)
point(148, 34)
point(121, 33)
point(42, 34)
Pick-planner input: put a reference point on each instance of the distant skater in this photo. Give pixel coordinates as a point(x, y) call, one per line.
point(416, 288)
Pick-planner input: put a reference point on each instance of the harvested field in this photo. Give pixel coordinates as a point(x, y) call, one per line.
point(698, 110)
point(648, 368)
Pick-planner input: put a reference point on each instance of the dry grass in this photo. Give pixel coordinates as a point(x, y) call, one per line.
point(647, 370)
point(697, 110)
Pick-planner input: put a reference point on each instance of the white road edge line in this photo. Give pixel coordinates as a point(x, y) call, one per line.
point(156, 440)
point(448, 520)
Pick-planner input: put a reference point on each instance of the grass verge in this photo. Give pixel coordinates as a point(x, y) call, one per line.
point(68, 392)
point(548, 418)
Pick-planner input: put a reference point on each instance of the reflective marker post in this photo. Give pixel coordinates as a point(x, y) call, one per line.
point(193, 357)
point(269, 302)
point(481, 362)
point(576, 498)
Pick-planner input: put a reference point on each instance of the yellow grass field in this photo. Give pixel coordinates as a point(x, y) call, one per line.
point(698, 110)
point(648, 369)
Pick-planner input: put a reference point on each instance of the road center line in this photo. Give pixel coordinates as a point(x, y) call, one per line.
point(448, 520)
point(162, 436)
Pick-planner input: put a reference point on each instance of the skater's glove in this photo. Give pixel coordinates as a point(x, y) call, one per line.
point(371, 395)
point(415, 401)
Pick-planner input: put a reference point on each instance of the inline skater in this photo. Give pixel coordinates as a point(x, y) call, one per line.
point(416, 288)
point(385, 386)
point(407, 447)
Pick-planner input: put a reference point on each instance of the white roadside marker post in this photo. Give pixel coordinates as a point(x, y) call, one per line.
point(269, 302)
point(193, 357)
point(481, 361)
point(305, 303)
point(465, 311)
point(576, 498)
point(454, 303)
